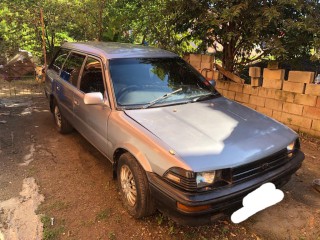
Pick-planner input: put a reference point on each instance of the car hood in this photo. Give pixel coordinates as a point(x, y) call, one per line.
point(215, 134)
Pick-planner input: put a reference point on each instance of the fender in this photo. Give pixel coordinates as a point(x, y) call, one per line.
point(138, 155)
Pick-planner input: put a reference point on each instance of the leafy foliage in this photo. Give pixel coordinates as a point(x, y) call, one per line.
point(249, 29)
point(242, 31)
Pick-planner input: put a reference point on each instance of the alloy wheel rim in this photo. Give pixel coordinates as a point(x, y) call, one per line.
point(57, 115)
point(128, 185)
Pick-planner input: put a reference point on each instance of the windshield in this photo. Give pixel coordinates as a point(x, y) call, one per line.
point(147, 82)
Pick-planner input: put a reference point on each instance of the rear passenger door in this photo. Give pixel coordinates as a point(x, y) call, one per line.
point(67, 83)
point(54, 69)
point(91, 120)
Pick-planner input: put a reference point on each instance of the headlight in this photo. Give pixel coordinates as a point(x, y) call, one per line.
point(192, 181)
point(291, 146)
point(204, 179)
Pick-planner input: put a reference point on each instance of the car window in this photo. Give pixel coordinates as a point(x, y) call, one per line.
point(58, 61)
point(92, 77)
point(72, 67)
point(141, 81)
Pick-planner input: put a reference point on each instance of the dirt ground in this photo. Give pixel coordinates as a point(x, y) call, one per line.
point(79, 199)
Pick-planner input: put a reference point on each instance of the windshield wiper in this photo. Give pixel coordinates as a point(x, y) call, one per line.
point(161, 98)
point(204, 96)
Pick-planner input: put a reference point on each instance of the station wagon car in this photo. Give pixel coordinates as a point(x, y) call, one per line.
point(174, 142)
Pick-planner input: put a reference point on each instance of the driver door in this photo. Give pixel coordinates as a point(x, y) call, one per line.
point(92, 120)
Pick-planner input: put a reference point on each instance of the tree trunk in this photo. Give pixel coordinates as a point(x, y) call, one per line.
point(229, 49)
point(228, 57)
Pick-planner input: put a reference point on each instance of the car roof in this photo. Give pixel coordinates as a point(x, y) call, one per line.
point(112, 50)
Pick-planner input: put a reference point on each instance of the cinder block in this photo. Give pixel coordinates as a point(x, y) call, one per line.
point(252, 106)
point(273, 65)
point(310, 132)
point(285, 96)
point(316, 125)
point(230, 95)
point(277, 115)
point(219, 84)
point(254, 72)
point(311, 112)
point(305, 99)
point(196, 64)
point(295, 120)
point(207, 74)
point(211, 75)
point(206, 59)
point(195, 58)
point(186, 58)
point(224, 92)
point(318, 103)
point(223, 84)
point(216, 75)
point(274, 104)
point(255, 81)
point(265, 111)
point(267, 92)
point(272, 83)
point(259, 101)
point(248, 89)
point(242, 97)
point(313, 89)
point(269, 74)
point(205, 65)
point(301, 76)
point(293, 87)
point(294, 127)
point(236, 87)
point(292, 108)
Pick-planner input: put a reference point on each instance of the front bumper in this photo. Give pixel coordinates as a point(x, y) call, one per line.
point(221, 201)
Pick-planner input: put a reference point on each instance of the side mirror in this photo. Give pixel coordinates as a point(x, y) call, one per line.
point(212, 82)
point(94, 98)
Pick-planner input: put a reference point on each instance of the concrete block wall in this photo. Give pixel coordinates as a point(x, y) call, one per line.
point(294, 102)
point(298, 110)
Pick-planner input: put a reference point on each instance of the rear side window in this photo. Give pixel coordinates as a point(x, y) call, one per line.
point(92, 77)
point(72, 67)
point(60, 58)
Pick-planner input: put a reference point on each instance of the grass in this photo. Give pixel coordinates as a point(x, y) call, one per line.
point(103, 215)
point(58, 205)
point(23, 86)
point(111, 236)
point(50, 232)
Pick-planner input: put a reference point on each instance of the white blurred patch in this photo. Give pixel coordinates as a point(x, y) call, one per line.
point(29, 157)
point(18, 218)
point(26, 111)
point(263, 197)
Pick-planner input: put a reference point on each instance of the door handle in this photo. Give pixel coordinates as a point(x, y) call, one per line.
point(58, 88)
point(76, 102)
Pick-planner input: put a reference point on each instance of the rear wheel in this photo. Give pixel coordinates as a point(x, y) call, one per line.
point(62, 124)
point(134, 187)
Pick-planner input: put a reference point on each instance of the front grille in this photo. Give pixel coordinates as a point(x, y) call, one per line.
point(260, 167)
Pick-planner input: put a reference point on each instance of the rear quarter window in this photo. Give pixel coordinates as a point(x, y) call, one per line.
point(72, 67)
point(59, 60)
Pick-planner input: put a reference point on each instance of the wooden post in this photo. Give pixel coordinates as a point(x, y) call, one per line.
point(43, 43)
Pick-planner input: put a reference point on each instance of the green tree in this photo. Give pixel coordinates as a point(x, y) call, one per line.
point(267, 27)
point(150, 22)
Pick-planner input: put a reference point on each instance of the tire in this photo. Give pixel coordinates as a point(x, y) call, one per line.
point(134, 187)
point(61, 123)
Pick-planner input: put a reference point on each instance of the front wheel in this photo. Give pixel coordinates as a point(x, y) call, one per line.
point(62, 124)
point(134, 187)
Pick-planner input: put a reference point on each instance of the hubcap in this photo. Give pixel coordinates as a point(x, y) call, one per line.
point(57, 116)
point(128, 185)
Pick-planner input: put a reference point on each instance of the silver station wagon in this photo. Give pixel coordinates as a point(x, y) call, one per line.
point(174, 142)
